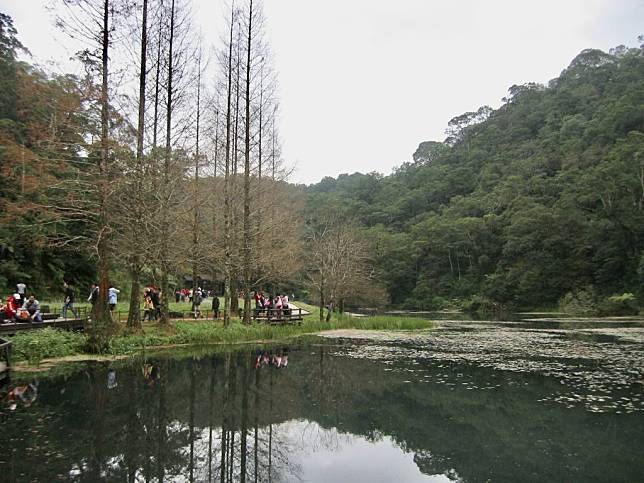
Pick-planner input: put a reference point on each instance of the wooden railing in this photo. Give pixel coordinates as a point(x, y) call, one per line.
point(5, 353)
point(278, 315)
point(122, 315)
point(270, 315)
point(57, 313)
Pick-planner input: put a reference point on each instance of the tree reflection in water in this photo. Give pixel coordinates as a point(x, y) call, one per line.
point(224, 417)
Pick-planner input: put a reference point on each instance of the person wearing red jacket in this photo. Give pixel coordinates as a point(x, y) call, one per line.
point(9, 310)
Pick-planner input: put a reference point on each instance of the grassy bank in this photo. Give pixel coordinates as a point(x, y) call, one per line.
point(33, 346)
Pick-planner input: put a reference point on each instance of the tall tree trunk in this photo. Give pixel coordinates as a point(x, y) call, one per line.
point(330, 308)
point(273, 146)
point(157, 87)
point(247, 247)
point(195, 221)
point(134, 315)
point(165, 208)
point(234, 286)
point(103, 321)
point(261, 125)
point(227, 248)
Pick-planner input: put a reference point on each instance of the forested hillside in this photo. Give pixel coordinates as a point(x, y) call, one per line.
point(45, 121)
point(519, 206)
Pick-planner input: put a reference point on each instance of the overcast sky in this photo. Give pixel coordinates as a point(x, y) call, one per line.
point(363, 82)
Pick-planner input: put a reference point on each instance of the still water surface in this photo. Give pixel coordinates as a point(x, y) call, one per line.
point(469, 401)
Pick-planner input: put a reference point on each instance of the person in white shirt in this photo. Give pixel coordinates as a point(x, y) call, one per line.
point(21, 289)
point(112, 297)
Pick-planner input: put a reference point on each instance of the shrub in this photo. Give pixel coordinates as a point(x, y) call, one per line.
point(625, 304)
point(35, 345)
point(580, 302)
point(479, 304)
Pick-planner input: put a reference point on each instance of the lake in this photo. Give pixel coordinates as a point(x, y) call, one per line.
point(470, 401)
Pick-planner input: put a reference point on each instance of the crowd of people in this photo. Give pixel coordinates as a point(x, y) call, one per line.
point(20, 308)
point(273, 306)
point(188, 294)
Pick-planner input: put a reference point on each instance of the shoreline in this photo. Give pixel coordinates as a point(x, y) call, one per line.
point(203, 334)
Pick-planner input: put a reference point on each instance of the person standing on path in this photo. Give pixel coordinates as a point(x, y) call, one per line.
point(215, 306)
point(112, 297)
point(197, 298)
point(21, 289)
point(70, 298)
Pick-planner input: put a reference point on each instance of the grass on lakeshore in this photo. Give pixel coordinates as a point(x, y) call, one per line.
point(34, 346)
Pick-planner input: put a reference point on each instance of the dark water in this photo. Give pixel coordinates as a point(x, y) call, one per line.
point(471, 401)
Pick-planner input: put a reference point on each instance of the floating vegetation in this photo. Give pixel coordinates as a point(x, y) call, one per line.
point(599, 368)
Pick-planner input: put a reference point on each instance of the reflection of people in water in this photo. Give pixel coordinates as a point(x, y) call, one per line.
point(258, 359)
point(150, 373)
point(276, 359)
point(111, 379)
point(27, 394)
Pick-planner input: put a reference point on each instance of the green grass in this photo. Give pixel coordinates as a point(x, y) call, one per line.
point(49, 343)
point(209, 332)
point(35, 345)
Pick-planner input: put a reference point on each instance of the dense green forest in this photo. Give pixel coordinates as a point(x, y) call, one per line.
point(538, 201)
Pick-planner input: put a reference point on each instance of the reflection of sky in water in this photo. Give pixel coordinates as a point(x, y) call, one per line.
point(327, 455)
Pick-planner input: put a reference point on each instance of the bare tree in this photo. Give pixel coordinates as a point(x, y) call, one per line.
point(247, 148)
point(337, 263)
point(227, 201)
point(92, 21)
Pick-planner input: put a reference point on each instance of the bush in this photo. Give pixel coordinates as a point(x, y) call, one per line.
point(580, 302)
point(35, 345)
point(625, 304)
point(479, 304)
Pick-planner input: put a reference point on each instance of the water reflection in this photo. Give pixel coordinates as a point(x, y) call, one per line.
point(332, 411)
